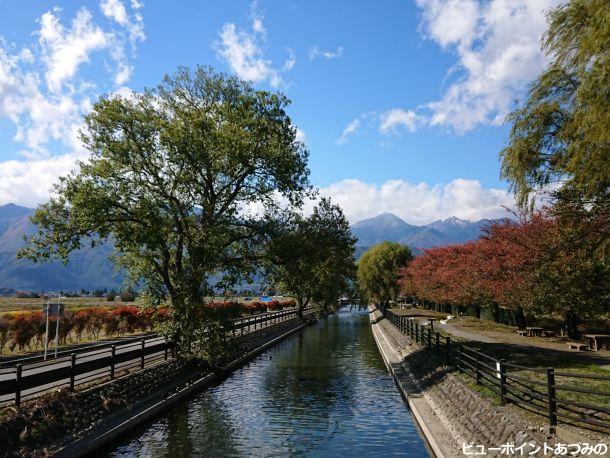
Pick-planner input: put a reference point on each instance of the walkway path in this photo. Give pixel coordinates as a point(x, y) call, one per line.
point(465, 334)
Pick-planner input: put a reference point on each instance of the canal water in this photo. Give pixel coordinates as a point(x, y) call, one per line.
point(322, 392)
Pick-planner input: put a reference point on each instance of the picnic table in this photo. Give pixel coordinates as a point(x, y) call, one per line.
point(597, 341)
point(534, 331)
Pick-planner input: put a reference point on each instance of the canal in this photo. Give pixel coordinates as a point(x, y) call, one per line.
point(323, 392)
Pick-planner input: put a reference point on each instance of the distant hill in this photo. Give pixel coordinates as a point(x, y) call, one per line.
point(388, 226)
point(87, 268)
point(90, 268)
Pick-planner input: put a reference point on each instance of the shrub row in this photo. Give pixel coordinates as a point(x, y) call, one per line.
point(26, 330)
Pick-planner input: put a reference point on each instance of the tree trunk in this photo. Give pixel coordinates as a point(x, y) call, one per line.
point(496, 312)
point(572, 320)
point(301, 304)
point(520, 320)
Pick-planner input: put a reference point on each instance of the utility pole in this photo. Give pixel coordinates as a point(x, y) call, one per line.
point(59, 311)
point(46, 335)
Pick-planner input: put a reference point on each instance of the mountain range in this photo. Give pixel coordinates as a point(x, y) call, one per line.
point(388, 226)
point(90, 268)
point(87, 268)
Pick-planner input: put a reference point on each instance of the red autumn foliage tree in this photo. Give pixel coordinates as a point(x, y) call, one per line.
point(544, 263)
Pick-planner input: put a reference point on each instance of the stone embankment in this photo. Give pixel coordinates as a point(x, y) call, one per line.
point(449, 413)
point(76, 424)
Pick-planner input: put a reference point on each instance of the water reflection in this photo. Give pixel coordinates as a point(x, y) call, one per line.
point(323, 392)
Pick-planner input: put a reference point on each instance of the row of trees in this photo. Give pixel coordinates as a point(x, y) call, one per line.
point(542, 264)
point(199, 185)
point(555, 260)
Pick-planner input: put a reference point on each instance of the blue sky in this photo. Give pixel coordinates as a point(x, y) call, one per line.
point(401, 103)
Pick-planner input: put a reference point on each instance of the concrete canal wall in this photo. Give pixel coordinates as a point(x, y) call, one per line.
point(448, 412)
point(78, 424)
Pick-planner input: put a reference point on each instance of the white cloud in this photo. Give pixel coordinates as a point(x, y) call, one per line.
point(39, 116)
point(387, 122)
point(316, 52)
point(115, 10)
point(257, 18)
point(391, 120)
point(123, 74)
point(291, 61)
point(243, 52)
point(349, 130)
point(301, 137)
point(419, 203)
point(63, 51)
point(132, 28)
point(497, 45)
point(44, 95)
point(29, 182)
point(463, 15)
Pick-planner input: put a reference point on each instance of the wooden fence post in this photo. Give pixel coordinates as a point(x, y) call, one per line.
point(429, 338)
point(447, 350)
point(416, 332)
point(502, 381)
point(112, 363)
point(142, 354)
point(72, 370)
point(18, 371)
point(478, 366)
point(550, 383)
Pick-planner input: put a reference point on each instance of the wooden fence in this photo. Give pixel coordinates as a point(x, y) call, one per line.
point(561, 397)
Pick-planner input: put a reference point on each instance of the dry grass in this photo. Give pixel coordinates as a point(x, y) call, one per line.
point(15, 304)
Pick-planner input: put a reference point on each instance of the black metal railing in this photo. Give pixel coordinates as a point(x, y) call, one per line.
point(28, 377)
point(556, 395)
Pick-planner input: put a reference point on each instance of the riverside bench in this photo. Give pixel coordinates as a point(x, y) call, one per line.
point(577, 346)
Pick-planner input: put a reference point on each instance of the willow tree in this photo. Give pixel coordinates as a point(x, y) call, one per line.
point(313, 258)
point(560, 140)
point(171, 175)
point(378, 271)
point(561, 135)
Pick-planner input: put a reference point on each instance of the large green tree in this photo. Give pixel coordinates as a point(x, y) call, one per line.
point(378, 271)
point(561, 134)
point(313, 259)
point(171, 176)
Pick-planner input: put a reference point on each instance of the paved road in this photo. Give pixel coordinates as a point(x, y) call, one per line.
point(41, 367)
point(8, 372)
